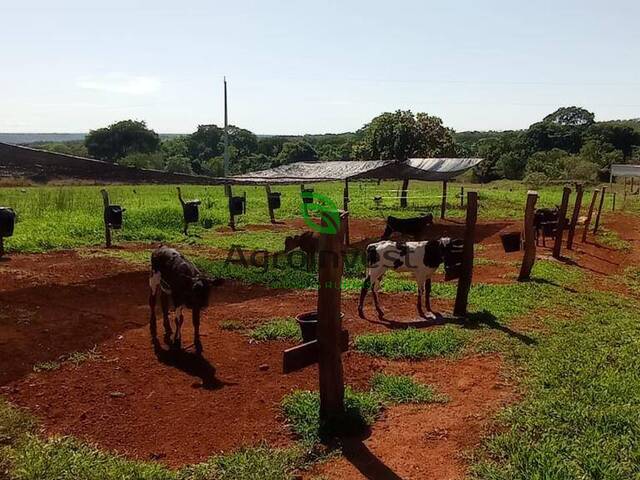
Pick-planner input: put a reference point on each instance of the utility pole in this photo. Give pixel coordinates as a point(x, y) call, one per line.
point(226, 132)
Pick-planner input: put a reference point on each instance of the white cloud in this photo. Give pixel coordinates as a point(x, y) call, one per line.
point(121, 83)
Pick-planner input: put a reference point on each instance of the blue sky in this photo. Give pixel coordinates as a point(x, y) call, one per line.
point(299, 67)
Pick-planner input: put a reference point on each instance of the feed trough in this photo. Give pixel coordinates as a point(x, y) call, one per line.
point(309, 325)
point(237, 205)
point(511, 241)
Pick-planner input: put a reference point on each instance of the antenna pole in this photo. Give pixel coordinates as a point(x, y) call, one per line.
point(226, 132)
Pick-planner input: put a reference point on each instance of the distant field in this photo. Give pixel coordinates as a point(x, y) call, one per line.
point(67, 217)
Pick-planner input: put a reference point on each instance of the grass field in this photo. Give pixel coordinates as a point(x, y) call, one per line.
point(67, 217)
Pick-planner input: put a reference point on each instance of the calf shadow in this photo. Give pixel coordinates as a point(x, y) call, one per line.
point(189, 363)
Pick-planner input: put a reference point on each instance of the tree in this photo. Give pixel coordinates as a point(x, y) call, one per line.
point(206, 142)
point(296, 152)
point(244, 140)
point(551, 163)
point(270, 146)
point(401, 135)
point(154, 161)
point(120, 139)
point(570, 116)
point(178, 165)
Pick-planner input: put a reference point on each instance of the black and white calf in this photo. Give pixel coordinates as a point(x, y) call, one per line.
point(414, 227)
point(172, 274)
point(420, 258)
point(543, 217)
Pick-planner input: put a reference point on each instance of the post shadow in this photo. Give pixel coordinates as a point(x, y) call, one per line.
point(370, 466)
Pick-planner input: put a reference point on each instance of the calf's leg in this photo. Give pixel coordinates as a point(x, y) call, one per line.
point(374, 290)
point(166, 322)
point(196, 330)
point(177, 340)
point(366, 285)
point(427, 295)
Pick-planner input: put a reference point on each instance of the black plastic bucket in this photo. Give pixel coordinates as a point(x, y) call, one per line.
point(236, 205)
point(113, 214)
point(510, 241)
point(309, 325)
point(274, 200)
point(307, 195)
point(191, 211)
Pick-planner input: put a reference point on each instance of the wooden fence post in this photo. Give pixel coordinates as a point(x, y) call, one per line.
point(345, 206)
point(1, 246)
point(562, 222)
point(529, 237)
point(107, 230)
point(576, 214)
point(330, 265)
point(587, 222)
point(466, 271)
point(613, 206)
point(462, 195)
point(443, 207)
point(602, 197)
point(403, 194)
point(232, 218)
point(272, 216)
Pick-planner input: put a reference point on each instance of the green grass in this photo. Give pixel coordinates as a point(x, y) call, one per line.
point(632, 279)
point(581, 415)
point(302, 410)
point(412, 344)
point(231, 325)
point(75, 358)
point(398, 389)
point(276, 329)
point(612, 239)
point(68, 217)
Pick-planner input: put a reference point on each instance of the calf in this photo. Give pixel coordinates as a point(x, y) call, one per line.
point(420, 258)
point(414, 227)
point(541, 216)
point(172, 274)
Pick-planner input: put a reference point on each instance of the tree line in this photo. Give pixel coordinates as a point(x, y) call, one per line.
point(566, 144)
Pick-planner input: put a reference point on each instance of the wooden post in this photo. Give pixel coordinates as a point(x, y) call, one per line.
point(443, 207)
point(271, 213)
point(345, 206)
point(232, 218)
point(613, 206)
point(403, 194)
point(592, 205)
point(462, 195)
point(562, 222)
point(1, 246)
point(107, 230)
point(466, 273)
point(576, 214)
point(603, 193)
point(329, 327)
point(529, 237)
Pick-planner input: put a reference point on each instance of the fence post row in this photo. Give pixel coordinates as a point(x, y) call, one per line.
point(576, 214)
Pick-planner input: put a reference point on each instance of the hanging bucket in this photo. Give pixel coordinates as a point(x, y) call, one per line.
point(113, 215)
point(307, 195)
point(236, 205)
point(510, 241)
point(7, 221)
point(453, 260)
point(274, 200)
point(309, 325)
point(191, 211)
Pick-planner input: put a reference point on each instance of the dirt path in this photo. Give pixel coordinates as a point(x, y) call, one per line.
point(181, 409)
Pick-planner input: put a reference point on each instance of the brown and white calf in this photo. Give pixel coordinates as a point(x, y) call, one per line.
point(420, 258)
point(172, 274)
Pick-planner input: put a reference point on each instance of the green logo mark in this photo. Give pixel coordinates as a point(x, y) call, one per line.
point(325, 208)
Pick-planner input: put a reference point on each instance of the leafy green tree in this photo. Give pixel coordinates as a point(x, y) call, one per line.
point(154, 160)
point(299, 151)
point(570, 116)
point(206, 142)
point(576, 168)
point(401, 135)
point(75, 148)
point(213, 167)
point(543, 136)
point(270, 146)
point(178, 165)
point(622, 137)
point(243, 140)
point(599, 153)
point(551, 163)
point(175, 147)
point(120, 139)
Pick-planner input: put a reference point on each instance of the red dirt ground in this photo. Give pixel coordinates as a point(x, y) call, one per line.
point(181, 409)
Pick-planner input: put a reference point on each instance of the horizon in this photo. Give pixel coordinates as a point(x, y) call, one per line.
point(301, 70)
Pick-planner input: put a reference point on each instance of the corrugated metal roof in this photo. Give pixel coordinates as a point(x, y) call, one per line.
point(428, 169)
point(618, 170)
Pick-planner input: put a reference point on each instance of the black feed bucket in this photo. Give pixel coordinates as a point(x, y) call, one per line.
point(309, 325)
point(274, 200)
point(510, 241)
point(113, 216)
point(7, 221)
point(453, 260)
point(307, 195)
point(191, 211)
point(236, 205)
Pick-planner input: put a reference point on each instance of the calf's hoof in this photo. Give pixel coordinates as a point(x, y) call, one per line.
point(198, 347)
